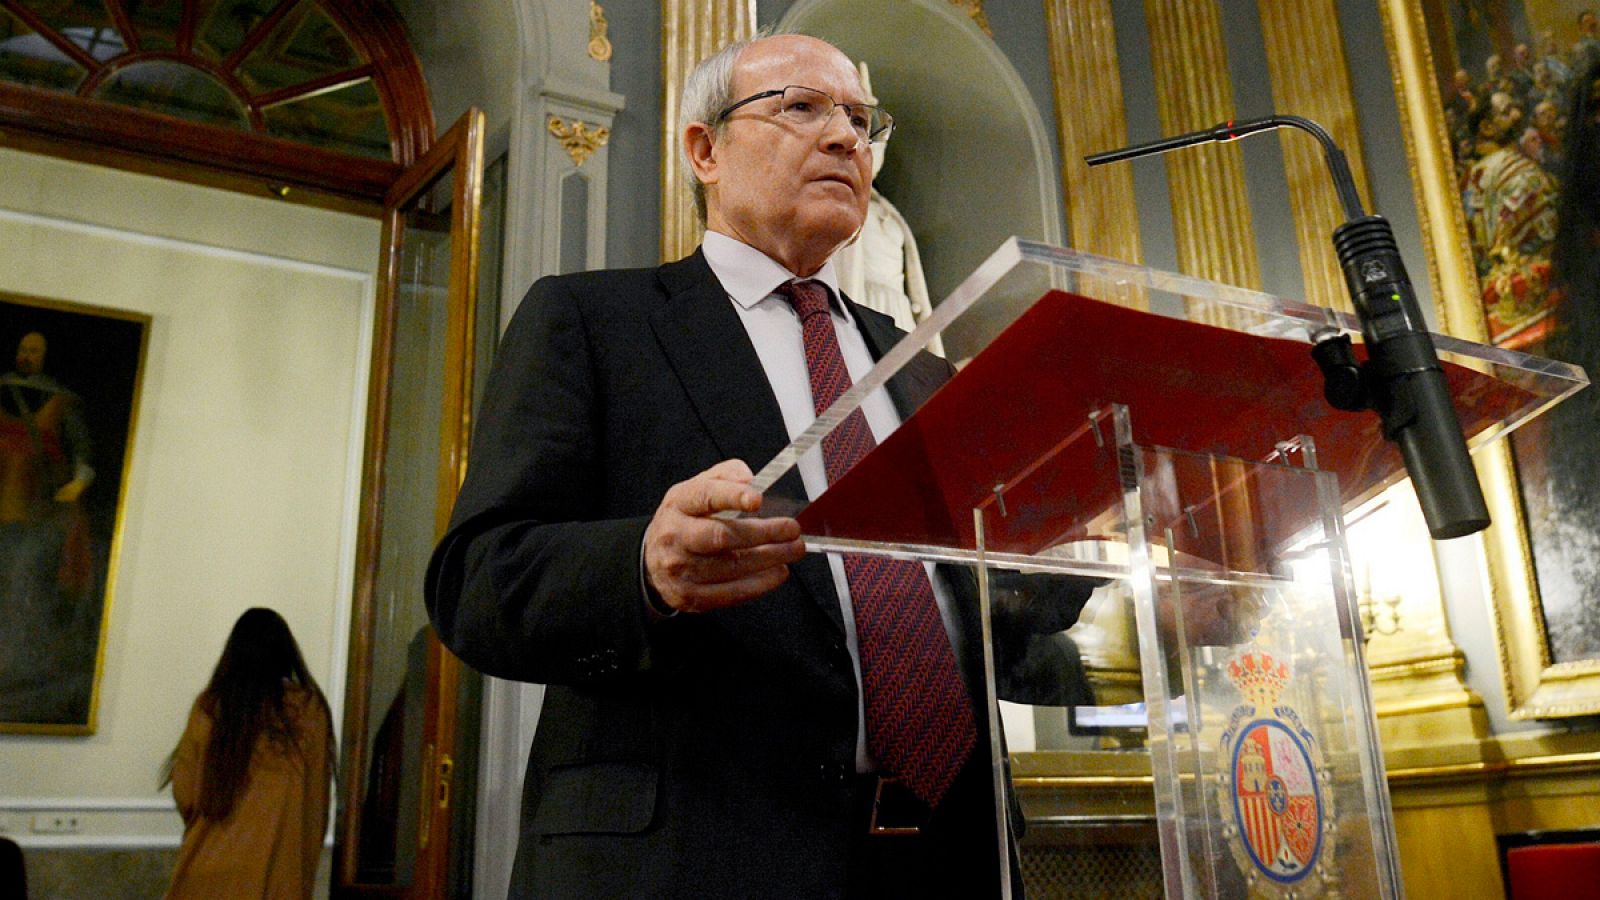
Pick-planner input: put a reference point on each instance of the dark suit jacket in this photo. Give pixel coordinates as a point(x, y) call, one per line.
point(702, 755)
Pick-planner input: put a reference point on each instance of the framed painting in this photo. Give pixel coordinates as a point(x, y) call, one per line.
point(1498, 99)
point(68, 409)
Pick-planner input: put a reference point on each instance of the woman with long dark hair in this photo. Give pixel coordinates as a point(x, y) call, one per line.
point(251, 773)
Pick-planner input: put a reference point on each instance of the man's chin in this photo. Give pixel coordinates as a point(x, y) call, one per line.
point(838, 227)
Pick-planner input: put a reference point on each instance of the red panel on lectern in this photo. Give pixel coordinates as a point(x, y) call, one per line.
point(1026, 400)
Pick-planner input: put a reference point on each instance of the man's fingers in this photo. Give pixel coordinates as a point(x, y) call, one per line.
point(706, 494)
point(708, 570)
point(710, 537)
point(730, 469)
point(708, 597)
point(697, 560)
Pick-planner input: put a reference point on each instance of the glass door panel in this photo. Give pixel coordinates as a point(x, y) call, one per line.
point(395, 792)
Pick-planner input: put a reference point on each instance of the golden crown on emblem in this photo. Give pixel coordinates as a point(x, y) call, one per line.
point(1259, 677)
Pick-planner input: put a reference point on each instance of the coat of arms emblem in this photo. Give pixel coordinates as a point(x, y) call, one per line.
point(1274, 791)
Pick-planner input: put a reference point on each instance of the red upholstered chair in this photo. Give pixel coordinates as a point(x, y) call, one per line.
point(1554, 872)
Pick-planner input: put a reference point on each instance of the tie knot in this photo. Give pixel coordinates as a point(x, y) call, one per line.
point(808, 297)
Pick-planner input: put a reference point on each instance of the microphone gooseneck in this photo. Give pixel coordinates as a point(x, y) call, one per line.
point(1401, 379)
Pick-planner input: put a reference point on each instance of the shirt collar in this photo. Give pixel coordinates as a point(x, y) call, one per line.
point(750, 276)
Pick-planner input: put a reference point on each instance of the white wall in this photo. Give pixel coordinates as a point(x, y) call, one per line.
point(245, 466)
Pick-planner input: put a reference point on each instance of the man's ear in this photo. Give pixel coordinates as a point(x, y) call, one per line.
point(699, 146)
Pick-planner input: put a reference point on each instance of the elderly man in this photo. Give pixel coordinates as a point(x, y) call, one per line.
point(727, 716)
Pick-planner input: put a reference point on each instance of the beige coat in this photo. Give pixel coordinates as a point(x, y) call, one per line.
point(270, 844)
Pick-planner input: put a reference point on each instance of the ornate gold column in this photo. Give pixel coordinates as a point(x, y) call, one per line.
point(1210, 208)
point(1305, 58)
point(1102, 216)
point(691, 30)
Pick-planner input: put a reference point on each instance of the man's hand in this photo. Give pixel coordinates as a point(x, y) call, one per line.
point(71, 491)
point(697, 562)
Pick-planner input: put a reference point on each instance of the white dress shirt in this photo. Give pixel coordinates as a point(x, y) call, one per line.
point(750, 277)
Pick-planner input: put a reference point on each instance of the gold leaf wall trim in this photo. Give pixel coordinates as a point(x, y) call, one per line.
point(1305, 59)
point(1046, 782)
point(1102, 216)
point(1514, 768)
point(691, 30)
point(580, 139)
point(1211, 217)
point(599, 44)
point(974, 9)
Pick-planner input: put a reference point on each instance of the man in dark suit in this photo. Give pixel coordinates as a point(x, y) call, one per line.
point(714, 723)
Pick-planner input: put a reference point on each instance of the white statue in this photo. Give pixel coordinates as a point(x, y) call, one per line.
point(881, 269)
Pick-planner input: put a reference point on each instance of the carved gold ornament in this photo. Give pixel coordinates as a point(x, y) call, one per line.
point(974, 8)
point(599, 44)
point(580, 139)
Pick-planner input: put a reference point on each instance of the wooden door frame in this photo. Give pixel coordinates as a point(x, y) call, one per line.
point(460, 150)
point(150, 143)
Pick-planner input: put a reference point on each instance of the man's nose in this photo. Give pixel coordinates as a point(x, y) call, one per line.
point(838, 135)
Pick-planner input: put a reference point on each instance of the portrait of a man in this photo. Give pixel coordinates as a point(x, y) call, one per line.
point(62, 449)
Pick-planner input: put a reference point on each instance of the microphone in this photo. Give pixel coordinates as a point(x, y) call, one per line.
point(1401, 379)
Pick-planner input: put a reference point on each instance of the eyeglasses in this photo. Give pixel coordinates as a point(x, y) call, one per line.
point(809, 106)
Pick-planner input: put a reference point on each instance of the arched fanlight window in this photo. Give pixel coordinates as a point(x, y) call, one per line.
point(334, 74)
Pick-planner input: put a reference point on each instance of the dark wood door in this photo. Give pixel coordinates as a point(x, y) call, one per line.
point(397, 789)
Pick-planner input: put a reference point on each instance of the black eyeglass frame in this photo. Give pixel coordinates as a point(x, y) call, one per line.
point(879, 136)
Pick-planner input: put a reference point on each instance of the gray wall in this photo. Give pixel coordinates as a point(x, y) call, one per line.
point(633, 223)
point(1019, 32)
point(469, 56)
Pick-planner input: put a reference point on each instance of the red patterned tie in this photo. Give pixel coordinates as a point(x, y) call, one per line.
point(919, 718)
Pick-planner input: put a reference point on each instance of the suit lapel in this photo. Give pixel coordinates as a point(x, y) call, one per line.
point(918, 379)
point(713, 358)
point(711, 354)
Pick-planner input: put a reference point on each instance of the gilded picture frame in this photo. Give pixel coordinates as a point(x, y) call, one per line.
point(1423, 41)
point(68, 412)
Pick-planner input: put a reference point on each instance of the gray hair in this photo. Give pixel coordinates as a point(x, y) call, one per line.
point(707, 91)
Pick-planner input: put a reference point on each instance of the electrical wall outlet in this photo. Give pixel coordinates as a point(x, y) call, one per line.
point(55, 823)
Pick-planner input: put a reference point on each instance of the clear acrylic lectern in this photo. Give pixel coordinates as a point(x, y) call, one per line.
point(1166, 437)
